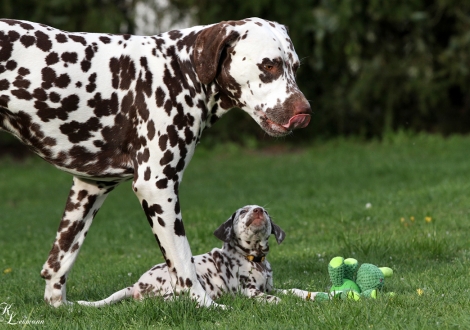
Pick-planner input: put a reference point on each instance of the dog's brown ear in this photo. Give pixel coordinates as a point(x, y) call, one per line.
point(225, 231)
point(277, 232)
point(208, 48)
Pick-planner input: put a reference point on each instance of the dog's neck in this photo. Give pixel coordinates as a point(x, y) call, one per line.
point(252, 251)
point(217, 103)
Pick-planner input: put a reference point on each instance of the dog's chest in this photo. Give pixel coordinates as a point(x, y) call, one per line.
point(222, 271)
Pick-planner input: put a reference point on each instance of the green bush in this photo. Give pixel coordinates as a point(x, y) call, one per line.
point(112, 16)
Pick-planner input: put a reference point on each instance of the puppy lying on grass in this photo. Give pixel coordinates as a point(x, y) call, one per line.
point(240, 266)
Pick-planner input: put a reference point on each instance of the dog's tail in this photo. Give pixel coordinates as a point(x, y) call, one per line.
point(114, 298)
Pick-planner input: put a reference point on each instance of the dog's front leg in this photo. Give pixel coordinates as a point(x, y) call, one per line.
point(159, 199)
point(84, 201)
point(261, 296)
point(307, 295)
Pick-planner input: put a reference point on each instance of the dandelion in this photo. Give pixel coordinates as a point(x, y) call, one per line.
point(420, 292)
point(412, 218)
point(402, 220)
point(428, 219)
point(8, 270)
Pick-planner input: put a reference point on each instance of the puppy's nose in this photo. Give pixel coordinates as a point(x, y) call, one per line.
point(257, 217)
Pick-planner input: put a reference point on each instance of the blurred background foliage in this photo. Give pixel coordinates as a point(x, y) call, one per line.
point(112, 16)
point(369, 67)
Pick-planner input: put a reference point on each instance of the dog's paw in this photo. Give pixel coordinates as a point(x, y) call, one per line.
point(219, 306)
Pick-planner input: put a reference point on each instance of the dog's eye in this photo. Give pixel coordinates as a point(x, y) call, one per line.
point(243, 211)
point(295, 67)
point(269, 67)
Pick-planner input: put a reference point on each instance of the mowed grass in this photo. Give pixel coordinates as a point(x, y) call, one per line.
point(317, 194)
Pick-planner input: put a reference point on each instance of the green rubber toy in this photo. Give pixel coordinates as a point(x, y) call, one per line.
point(353, 282)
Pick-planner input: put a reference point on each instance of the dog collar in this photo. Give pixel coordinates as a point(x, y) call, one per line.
point(255, 259)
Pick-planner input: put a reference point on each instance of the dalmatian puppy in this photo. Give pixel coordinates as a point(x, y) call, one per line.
point(110, 108)
point(239, 267)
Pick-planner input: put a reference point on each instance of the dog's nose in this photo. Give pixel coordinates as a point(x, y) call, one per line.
point(302, 108)
point(257, 217)
point(301, 111)
point(301, 115)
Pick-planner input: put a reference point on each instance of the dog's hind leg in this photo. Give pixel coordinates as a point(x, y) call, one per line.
point(84, 201)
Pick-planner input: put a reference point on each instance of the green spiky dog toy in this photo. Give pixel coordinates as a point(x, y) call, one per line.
point(353, 283)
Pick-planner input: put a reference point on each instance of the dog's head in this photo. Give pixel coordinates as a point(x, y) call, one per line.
point(253, 63)
point(248, 230)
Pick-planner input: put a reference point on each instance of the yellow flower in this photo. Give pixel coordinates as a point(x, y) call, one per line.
point(8, 270)
point(428, 219)
point(402, 220)
point(412, 218)
point(420, 292)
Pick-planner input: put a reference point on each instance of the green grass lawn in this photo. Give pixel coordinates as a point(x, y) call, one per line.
point(317, 194)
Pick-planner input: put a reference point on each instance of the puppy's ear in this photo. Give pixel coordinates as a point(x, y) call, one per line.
point(225, 231)
point(277, 232)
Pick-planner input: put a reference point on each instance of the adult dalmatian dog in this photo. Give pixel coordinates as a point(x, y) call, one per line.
point(239, 267)
point(109, 108)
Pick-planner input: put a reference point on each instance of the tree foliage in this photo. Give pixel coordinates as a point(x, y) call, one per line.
point(112, 16)
point(370, 66)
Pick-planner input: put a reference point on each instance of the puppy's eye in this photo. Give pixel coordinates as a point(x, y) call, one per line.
point(243, 211)
point(295, 67)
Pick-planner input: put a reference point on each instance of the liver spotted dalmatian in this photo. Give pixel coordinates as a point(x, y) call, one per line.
point(109, 108)
point(239, 267)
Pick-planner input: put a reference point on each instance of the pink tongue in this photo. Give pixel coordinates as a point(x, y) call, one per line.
point(298, 121)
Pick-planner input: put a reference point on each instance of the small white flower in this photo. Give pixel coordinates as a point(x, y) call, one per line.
point(129, 274)
point(368, 205)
